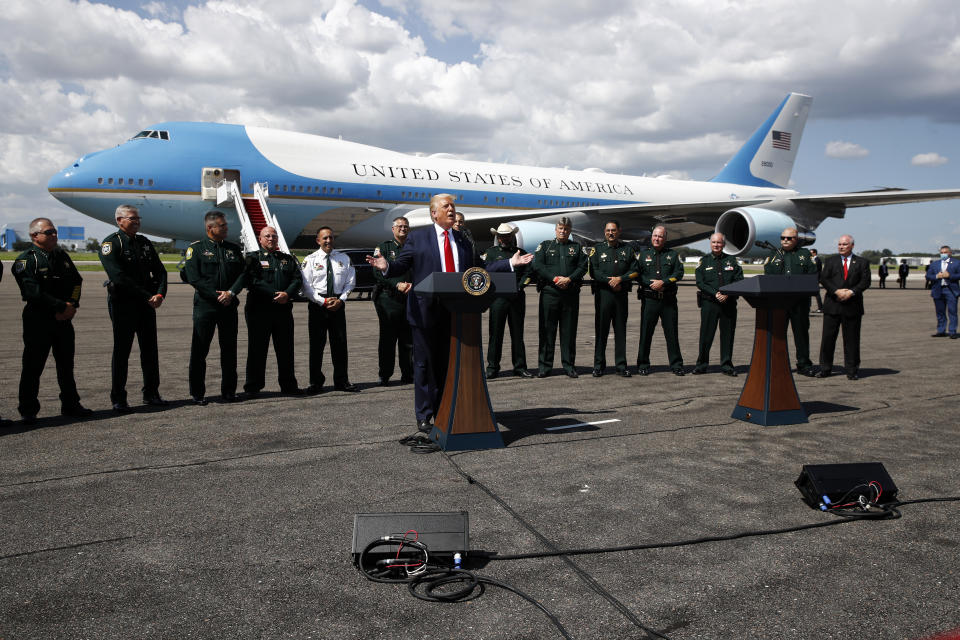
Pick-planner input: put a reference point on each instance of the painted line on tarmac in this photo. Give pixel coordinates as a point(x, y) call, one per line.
point(582, 424)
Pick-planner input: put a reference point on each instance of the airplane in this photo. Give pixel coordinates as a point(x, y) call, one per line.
point(174, 172)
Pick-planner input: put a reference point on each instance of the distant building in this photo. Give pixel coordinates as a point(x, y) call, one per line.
point(71, 237)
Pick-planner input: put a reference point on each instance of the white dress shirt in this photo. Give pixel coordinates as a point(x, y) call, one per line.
point(453, 245)
point(315, 276)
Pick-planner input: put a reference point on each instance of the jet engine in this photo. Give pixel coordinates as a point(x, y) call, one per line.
point(753, 231)
point(531, 233)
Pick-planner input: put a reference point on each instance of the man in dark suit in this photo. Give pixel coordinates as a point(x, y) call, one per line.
point(437, 247)
point(882, 272)
point(902, 272)
point(844, 277)
point(943, 274)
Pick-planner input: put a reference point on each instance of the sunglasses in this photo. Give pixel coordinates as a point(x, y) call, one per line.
point(46, 232)
point(788, 237)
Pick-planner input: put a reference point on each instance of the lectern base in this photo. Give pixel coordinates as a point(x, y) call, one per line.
point(465, 441)
point(769, 418)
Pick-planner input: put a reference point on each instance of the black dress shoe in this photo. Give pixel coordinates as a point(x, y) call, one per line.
point(313, 389)
point(155, 401)
point(597, 373)
point(406, 380)
point(200, 401)
point(295, 391)
point(424, 426)
point(121, 407)
point(77, 411)
point(489, 374)
point(571, 373)
point(698, 370)
point(522, 373)
point(729, 372)
point(29, 418)
point(229, 398)
point(679, 372)
point(810, 372)
point(384, 382)
point(954, 336)
point(347, 386)
point(853, 376)
point(823, 373)
point(248, 395)
point(938, 335)
point(623, 373)
point(543, 374)
point(643, 371)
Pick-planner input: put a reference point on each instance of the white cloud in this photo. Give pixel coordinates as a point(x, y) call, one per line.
point(841, 149)
point(932, 159)
point(661, 86)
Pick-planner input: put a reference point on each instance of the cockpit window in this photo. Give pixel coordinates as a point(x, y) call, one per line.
point(149, 133)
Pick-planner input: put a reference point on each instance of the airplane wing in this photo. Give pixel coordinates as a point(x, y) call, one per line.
point(892, 195)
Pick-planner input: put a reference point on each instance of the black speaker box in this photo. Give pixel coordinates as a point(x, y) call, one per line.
point(823, 485)
point(444, 533)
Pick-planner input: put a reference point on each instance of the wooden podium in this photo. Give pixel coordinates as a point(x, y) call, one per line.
point(465, 419)
point(769, 395)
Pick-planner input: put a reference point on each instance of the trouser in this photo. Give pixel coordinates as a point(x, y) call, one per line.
point(903, 282)
point(395, 336)
point(208, 319)
point(322, 323)
point(713, 314)
point(504, 312)
point(832, 323)
point(266, 320)
point(883, 282)
point(663, 310)
point(798, 316)
point(41, 334)
point(129, 318)
point(431, 353)
point(558, 309)
point(946, 306)
point(610, 307)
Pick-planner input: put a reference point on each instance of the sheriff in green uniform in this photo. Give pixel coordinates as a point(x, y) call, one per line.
point(559, 265)
point(50, 286)
point(214, 268)
point(507, 311)
point(714, 271)
point(613, 267)
point(660, 270)
point(390, 302)
point(791, 259)
point(138, 285)
point(272, 280)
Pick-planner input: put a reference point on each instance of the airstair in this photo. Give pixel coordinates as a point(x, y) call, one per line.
point(253, 212)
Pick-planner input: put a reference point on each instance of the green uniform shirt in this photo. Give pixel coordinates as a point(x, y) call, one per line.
point(497, 252)
point(713, 273)
point(607, 262)
point(389, 250)
point(133, 267)
point(552, 259)
point(660, 265)
point(787, 263)
point(212, 267)
point(48, 280)
point(268, 273)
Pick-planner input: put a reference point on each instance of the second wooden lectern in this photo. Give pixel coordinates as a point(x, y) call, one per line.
point(769, 396)
point(465, 419)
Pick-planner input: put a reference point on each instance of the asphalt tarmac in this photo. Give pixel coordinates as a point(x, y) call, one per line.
point(236, 520)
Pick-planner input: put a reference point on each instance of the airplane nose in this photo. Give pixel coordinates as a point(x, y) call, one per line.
point(61, 181)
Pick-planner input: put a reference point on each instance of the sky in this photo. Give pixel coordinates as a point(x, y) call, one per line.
point(644, 88)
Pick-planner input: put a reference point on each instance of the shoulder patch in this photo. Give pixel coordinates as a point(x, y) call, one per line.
point(189, 253)
point(19, 266)
point(538, 247)
point(106, 248)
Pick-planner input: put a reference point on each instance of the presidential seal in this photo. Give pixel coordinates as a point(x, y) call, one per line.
point(476, 281)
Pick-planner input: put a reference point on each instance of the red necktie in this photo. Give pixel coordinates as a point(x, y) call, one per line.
point(844, 268)
point(448, 264)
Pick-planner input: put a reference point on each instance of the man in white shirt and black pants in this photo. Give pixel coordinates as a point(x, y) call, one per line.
point(328, 278)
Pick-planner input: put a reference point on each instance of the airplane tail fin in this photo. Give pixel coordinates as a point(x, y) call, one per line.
point(766, 159)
